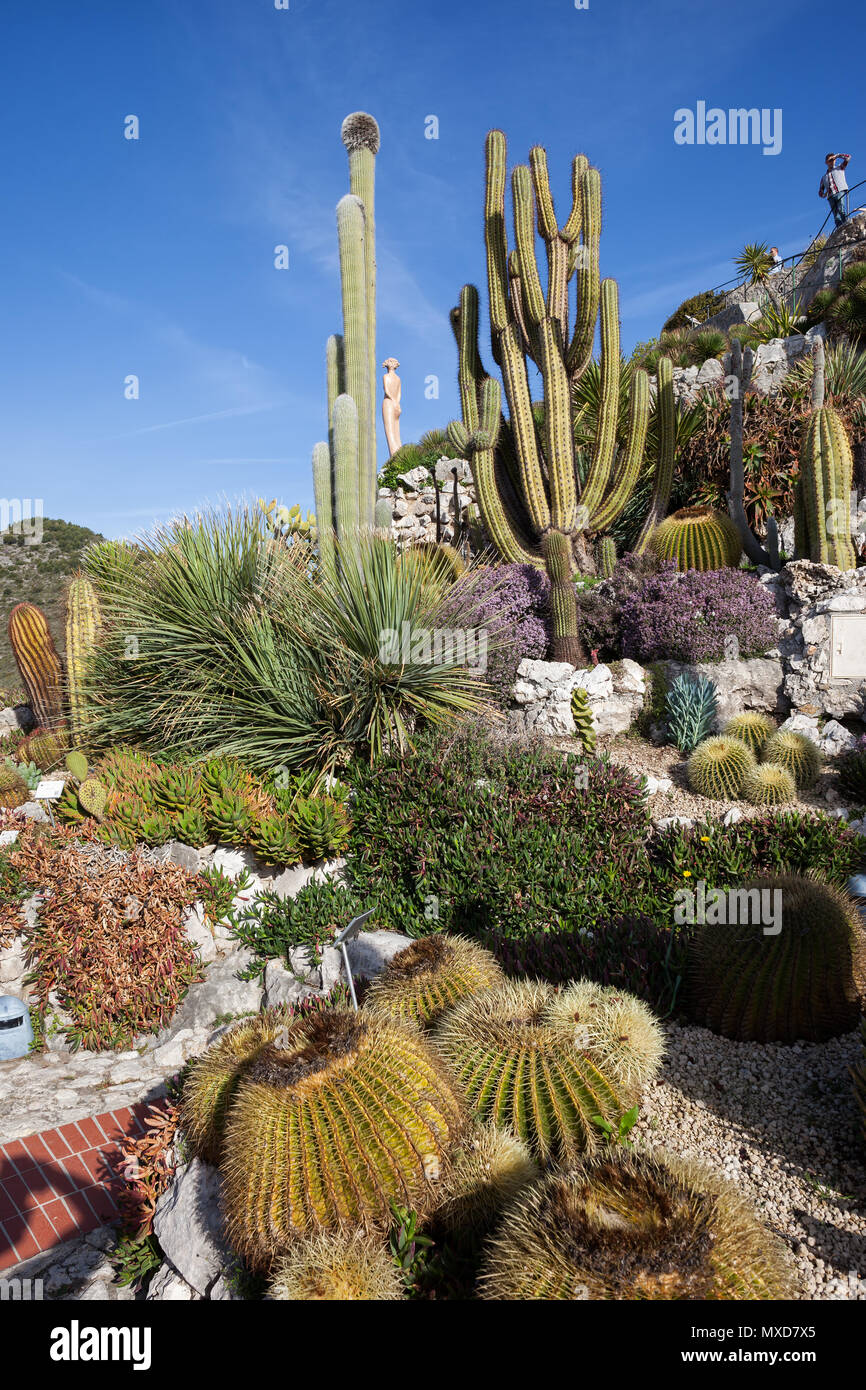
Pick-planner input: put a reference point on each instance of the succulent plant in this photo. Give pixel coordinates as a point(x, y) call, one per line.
point(826, 474)
point(92, 796)
point(13, 789)
point(718, 766)
point(83, 622)
point(698, 538)
point(490, 1169)
point(175, 788)
point(690, 710)
point(274, 840)
point(796, 753)
point(190, 827)
point(430, 976)
point(320, 825)
point(606, 556)
point(629, 1226)
point(767, 784)
point(337, 1267)
point(213, 1077)
point(584, 720)
point(337, 1118)
point(798, 974)
point(40, 666)
point(45, 747)
point(156, 828)
point(543, 1064)
point(751, 728)
point(228, 817)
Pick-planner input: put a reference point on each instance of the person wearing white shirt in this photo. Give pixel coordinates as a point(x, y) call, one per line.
point(834, 186)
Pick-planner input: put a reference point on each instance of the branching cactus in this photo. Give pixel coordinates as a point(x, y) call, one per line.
point(529, 492)
point(41, 670)
point(826, 480)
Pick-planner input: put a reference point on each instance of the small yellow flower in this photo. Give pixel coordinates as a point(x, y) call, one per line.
point(705, 839)
point(687, 873)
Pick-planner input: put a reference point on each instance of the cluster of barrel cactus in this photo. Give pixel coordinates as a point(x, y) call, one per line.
point(344, 466)
point(726, 767)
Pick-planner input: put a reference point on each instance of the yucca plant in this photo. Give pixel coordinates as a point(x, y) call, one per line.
point(337, 1267)
point(754, 262)
point(544, 1064)
point(630, 1226)
point(430, 976)
point(794, 969)
point(337, 1118)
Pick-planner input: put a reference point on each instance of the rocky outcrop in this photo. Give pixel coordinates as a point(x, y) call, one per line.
point(757, 683)
point(543, 690)
point(816, 594)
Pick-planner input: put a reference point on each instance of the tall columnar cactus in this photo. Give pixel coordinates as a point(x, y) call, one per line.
point(543, 1064)
point(83, 621)
point(739, 381)
point(38, 662)
point(531, 499)
point(351, 357)
point(791, 964)
point(826, 479)
point(630, 1226)
point(332, 1122)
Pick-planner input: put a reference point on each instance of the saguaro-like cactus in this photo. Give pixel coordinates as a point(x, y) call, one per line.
point(83, 621)
point(351, 357)
point(41, 670)
point(531, 498)
point(826, 479)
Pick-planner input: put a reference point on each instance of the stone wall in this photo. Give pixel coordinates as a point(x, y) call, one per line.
point(414, 506)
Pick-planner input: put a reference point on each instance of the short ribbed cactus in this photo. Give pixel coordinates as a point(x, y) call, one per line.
point(826, 473)
point(491, 1168)
point(214, 1075)
point(40, 666)
point(337, 1118)
point(698, 538)
point(83, 622)
point(584, 720)
point(768, 785)
point(430, 976)
point(338, 1267)
point(13, 789)
point(791, 966)
point(718, 766)
point(47, 748)
point(543, 1064)
point(629, 1226)
point(535, 507)
point(751, 728)
point(606, 556)
point(798, 754)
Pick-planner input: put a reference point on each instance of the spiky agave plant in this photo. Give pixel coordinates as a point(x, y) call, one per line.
point(333, 1121)
point(430, 976)
point(794, 969)
point(718, 766)
point(768, 785)
point(491, 1168)
point(544, 1064)
point(631, 1226)
point(339, 1266)
point(691, 707)
point(796, 753)
point(751, 728)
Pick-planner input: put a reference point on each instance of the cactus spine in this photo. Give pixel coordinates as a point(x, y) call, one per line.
point(826, 480)
point(38, 662)
point(584, 722)
point(751, 728)
point(768, 785)
point(798, 754)
point(351, 358)
point(83, 621)
point(524, 473)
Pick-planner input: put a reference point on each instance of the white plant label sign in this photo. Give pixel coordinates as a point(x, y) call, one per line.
point(848, 647)
point(49, 790)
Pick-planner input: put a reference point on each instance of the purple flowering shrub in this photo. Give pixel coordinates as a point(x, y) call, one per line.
point(693, 616)
point(510, 603)
point(600, 608)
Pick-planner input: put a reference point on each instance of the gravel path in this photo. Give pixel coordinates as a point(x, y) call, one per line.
point(781, 1122)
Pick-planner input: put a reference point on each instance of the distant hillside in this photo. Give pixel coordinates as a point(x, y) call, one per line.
point(37, 573)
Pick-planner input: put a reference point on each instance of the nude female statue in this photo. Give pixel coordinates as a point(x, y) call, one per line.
point(391, 411)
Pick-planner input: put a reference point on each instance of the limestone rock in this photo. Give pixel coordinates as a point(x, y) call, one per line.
point(189, 1227)
point(197, 930)
point(370, 952)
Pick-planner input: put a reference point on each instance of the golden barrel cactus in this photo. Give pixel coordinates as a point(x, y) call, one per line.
point(430, 976)
point(337, 1268)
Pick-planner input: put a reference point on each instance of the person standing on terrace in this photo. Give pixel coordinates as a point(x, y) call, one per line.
point(834, 185)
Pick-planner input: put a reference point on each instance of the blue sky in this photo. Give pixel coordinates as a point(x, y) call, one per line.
point(155, 257)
